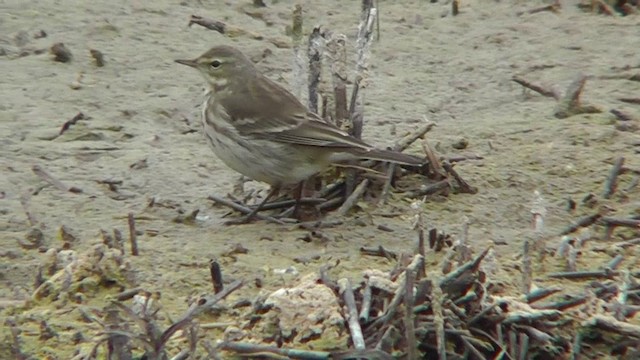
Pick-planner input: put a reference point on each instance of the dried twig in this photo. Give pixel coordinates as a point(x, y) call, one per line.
point(352, 315)
point(133, 237)
point(338, 54)
point(366, 303)
point(419, 133)
point(412, 346)
point(216, 276)
point(79, 116)
point(527, 271)
point(584, 221)
point(298, 61)
point(610, 324)
point(352, 199)
point(234, 31)
point(437, 299)
point(243, 209)
point(555, 7)
point(202, 305)
point(537, 88)
point(612, 181)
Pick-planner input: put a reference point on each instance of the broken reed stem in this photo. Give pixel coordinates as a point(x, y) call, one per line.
point(352, 315)
point(538, 212)
point(338, 53)
point(607, 323)
point(365, 307)
point(409, 325)
point(438, 316)
point(315, 51)
point(363, 45)
point(133, 237)
point(298, 61)
point(386, 188)
point(535, 87)
point(419, 133)
point(202, 305)
point(454, 8)
point(216, 276)
point(355, 196)
point(611, 184)
point(572, 258)
point(527, 271)
point(463, 250)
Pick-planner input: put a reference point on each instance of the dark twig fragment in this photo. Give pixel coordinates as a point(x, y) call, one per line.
point(612, 181)
point(79, 116)
point(60, 53)
point(98, 57)
point(216, 276)
point(133, 237)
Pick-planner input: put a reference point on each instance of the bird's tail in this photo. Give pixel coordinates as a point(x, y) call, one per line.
point(379, 155)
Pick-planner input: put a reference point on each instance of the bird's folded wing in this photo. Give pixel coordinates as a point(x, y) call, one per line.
point(303, 129)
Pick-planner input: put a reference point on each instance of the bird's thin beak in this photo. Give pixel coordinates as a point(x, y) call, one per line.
point(191, 63)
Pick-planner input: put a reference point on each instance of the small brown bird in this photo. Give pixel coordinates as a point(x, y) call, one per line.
point(264, 132)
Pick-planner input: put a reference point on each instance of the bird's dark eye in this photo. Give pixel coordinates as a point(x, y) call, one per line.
point(215, 64)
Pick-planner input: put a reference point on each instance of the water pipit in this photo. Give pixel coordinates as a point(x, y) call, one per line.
point(261, 130)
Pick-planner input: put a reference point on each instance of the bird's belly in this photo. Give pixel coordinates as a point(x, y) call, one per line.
point(266, 161)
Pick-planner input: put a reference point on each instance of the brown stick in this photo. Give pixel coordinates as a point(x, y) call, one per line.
point(233, 31)
point(464, 186)
point(527, 270)
point(611, 221)
point(379, 251)
point(630, 100)
point(79, 116)
point(133, 237)
point(555, 7)
point(601, 7)
point(584, 221)
point(216, 276)
point(537, 88)
point(214, 25)
point(611, 184)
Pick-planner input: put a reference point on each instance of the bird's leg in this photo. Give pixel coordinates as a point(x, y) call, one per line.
point(245, 219)
point(297, 195)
